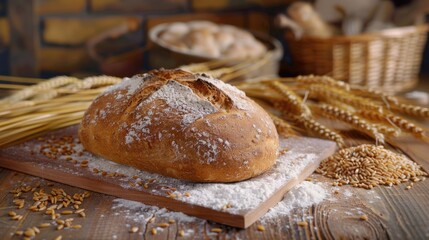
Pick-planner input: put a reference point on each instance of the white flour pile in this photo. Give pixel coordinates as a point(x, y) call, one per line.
point(304, 195)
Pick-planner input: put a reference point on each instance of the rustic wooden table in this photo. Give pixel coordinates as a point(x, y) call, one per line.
point(393, 213)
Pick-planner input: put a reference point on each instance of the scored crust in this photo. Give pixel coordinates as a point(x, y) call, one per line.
point(181, 125)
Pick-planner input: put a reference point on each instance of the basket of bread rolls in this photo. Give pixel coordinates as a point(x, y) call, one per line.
point(182, 43)
point(372, 43)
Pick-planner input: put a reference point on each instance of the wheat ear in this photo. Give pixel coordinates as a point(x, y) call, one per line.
point(358, 123)
point(325, 93)
point(396, 121)
point(283, 128)
point(296, 105)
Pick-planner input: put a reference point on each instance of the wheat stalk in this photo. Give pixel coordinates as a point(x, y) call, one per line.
point(356, 122)
point(283, 128)
point(317, 128)
point(325, 93)
point(395, 121)
point(295, 103)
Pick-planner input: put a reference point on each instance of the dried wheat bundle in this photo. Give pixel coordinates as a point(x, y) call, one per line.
point(47, 105)
point(304, 99)
point(229, 69)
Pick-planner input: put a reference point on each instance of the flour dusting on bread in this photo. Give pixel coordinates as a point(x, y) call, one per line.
point(180, 124)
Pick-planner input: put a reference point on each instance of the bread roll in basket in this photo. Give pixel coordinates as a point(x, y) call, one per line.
point(181, 125)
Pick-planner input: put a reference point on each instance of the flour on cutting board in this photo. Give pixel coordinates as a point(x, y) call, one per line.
point(240, 196)
point(303, 195)
point(228, 197)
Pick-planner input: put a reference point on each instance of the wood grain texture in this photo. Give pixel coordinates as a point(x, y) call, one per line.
point(393, 213)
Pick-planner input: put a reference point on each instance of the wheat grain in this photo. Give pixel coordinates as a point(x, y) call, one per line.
point(367, 166)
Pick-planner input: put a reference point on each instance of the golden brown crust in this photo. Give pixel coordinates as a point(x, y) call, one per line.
point(181, 125)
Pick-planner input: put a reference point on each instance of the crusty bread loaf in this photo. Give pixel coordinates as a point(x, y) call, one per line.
point(182, 125)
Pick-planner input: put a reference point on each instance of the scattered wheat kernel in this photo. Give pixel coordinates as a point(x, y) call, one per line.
point(79, 210)
point(181, 233)
point(309, 179)
point(134, 229)
point(302, 224)
point(60, 222)
point(153, 231)
point(59, 227)
point(67, 212)
point(12, 213)
point(363, 218)
point(44, 225)
point(216, 230)
point(77, 226)
point(59, 237)
point(82, 214)
point(171, 221)
point(19, 233)
point(187, 194)
point(261, 228)
point(408, 187)
point(17, 217)
point(29, 232)
point(163, 225)
point(36, 230)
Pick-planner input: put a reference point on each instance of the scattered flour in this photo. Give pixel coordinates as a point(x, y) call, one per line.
point(240, 196)
point(182, 99)
point(138, 211)
point(217, 195)
point(304, 195)
point(130, 84)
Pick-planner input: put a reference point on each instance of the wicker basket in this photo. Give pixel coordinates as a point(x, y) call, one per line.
point(168, 57)
point(388, 60)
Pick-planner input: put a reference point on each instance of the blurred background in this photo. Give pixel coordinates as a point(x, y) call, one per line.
point(45, 38)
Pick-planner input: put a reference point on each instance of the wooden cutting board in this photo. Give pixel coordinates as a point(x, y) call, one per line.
point(58, 156)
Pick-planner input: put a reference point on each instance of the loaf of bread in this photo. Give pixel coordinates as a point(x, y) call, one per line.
point(181, 125)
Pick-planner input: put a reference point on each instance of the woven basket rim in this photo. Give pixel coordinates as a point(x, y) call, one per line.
point(274, 46)
point(398, 32)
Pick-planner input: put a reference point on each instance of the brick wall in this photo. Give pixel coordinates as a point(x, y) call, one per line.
point(54, 33)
